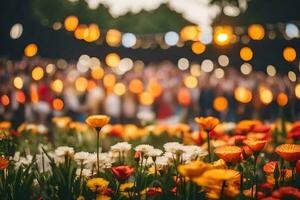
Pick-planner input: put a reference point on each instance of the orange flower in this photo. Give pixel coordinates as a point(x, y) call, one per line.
point(207, 123)
point(5, 125)
point(3, 163)
point(269, 167)
point(97, 121)
point(289, 152)
point(229, 153)
point(245, 126)
point(255, 145)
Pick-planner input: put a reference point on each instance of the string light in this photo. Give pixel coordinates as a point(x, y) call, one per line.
point(112, 59)
point(5, 100)
point(113, 37)
point(97, 72)
point(37, 73)
point(171, 38)
point(16, 31)
point(190, 32)
point(220, 103)
point(271, 70)
point(265, 95)
point(289, 54)
point(246, 54)
point(81, 84)
point(190, 82)
point(242, 94)
point(58, 104)
point(119, 89)
point(223, 35)
point(81, 32)
point(297, 91)
point(154, 88)
point(207, 65)
point(146, 98)
point(20, 97)
point(109, 80)
point(71, 23)
point(223, 60)
point(184, 97)
point(18, 82)
point(57, 86)
point(136, 86)
point(282, 99)
point(198, 48)
point(93, 33)
point(292, 76)
point(246, 68)
point(183, 63)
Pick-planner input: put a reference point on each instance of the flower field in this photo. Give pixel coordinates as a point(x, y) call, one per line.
point(95, 160)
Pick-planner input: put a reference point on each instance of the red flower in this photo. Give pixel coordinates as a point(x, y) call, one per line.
point(3, 163)
point(269, 167)
point(262, 128)
point(137, 156)
point(115, 132)
point(174, 190)
point(122, 173)
point(294, 133)
point(238, 139)
point(286, 192)
point(107, 191)
point(151, 192)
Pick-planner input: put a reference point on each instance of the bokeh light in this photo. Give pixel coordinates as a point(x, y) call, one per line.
point(119, 89)
point(289, 54)
point(81, 32)
point(292, 31)
point(223, 35)
point(113, 37)
point(5, 100)
point(195, 70)
point(265, 95)
point(184, 97)
point(128, 40)
point(136, 86)
point(207, 65)
point(271, 70)
point(112, 59)
point(292, 76)
point(16, 31)
point(256, 32)
point(57, 86)
point(154, 88)
point(93, 33)
point(37, 73)
point(190, 82)
point(183, 63)
point(81, 84)
point(297, 91)
point(109, 80)
point(223, 60)
point(18, 82)
point(246, 68)
point(146, 98)
point(171, 38)
point(220, 103)
point(71, 23)
point(198, 48)
point(242, 94)
point(20, 97)
point(246, 54)
point(31, 50)
point(190, 32)
point(97, 72)
point(58, 104)
point(219, 73)
point(282, 99)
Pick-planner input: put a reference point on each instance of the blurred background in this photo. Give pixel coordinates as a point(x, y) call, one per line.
point(158, 60)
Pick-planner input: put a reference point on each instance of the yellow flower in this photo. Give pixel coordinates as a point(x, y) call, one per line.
point(61, 122)
point(193, 169)
point(229, 153)
point(103, 197)
point(97, 183)
point(78, 126)
point(207, 123)
point(5, 125)
point(97, 121)
point(80, 198)
point(126, 186)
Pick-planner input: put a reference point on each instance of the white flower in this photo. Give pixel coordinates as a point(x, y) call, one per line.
point(63, 151)
point(42, 129)
point(144, 148)
point(162, 161)
point(40, 158)
point(174, 147)
point(81, 157)
point(154, 153)
point(23, 161)
point(121, 147)
point(85, 172)
point(194, 151)
point(105, 160)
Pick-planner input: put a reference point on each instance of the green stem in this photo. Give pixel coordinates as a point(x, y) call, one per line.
point(254, 179)
point(208, 146)
point(222, 189)
point(98, 167)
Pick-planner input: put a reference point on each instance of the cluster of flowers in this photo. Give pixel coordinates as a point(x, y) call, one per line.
point(255, 162)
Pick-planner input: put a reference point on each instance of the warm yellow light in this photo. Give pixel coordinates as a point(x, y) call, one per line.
point(113, 37)
point(93, 33)
point(154, 88)
point(220, 104)
point(112, 59)
point(34, 96)
point(198, 48)
point(146, 98)
point(18, 82)
point(57, 86)
point(256, 32)
point(81, 84)
point(109, 80)
point(246, 53)
point(282, 99)
point(297, 91)
point(190, 32)
point(58, 104)
point(119, 89)
point(265, 95)
point(97, 73)
point(71, 23)
point(190, 82)
point(242, 94)
point(223, 35)
point(30, 50)
point(81, 32)
point(289, 54)
point(136, 86)
point(91, 85)
point(37, 73)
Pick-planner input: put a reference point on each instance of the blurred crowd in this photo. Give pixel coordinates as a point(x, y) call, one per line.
point(36, 89)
